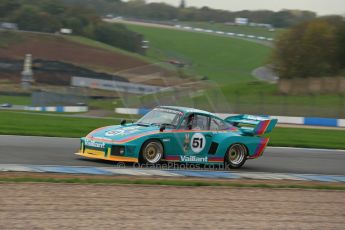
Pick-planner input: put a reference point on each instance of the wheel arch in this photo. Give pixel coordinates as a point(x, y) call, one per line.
point(237, 157)
point(249, 142)
point(148, 140)
point(236, 143)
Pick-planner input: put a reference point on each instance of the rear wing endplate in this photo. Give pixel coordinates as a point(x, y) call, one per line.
point(252, 125)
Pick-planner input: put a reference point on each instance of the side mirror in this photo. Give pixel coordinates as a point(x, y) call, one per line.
point(123, 122)
point(162, 128)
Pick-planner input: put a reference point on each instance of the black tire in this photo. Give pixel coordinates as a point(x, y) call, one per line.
point(236, 156)
point(151, 152)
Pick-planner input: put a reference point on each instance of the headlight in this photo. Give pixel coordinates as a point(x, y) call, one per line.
point(122, 150)
point(82, 147)
point(117, 150)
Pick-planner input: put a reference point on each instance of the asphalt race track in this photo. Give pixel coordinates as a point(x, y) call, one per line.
point(59, 151)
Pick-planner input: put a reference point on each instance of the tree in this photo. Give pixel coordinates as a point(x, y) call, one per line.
point(161, 11)
point(183, 4)
point(53, 7)
point(8, 6)
point(141, 10)
point(308, 50)
point(118, 35)
point(137, 2)
point(32, 18)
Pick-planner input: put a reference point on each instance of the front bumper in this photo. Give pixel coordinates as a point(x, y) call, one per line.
point(108, 158)
point(104, 151)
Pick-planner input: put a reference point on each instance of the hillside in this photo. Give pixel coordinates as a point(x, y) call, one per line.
point(50, 16)
point(83, 54)
point(14, 45)
point(222, 59)
point(229, 62)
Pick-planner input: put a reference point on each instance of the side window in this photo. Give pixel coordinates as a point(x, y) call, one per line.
point(217, 124)
point(197, 122)
point(184, 123)
point(224, 125)
point(200, 122)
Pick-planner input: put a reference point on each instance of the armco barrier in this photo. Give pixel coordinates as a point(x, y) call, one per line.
point(223, 33)
point(327, 122)
point(323, 121)
point(132, 111)
point(59, 109)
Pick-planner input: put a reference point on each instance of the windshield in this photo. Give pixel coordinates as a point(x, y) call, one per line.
point(161, 116)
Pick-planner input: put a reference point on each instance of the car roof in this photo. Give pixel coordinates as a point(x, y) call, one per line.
point(188, 110)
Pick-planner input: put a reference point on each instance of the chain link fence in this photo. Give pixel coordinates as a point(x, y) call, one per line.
point(209, 96)
point(65, 97)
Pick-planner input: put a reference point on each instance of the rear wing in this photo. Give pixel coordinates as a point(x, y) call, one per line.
point(252, 125)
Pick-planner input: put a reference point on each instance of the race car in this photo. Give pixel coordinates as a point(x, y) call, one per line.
point(170, 133)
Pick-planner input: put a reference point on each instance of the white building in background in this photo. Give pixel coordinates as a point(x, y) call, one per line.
point(119, 86)
point(66, 31)
point(8, 26)
point(241, 21)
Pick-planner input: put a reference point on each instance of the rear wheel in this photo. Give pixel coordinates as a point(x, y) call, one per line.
point(152, 152)
point(236, 156)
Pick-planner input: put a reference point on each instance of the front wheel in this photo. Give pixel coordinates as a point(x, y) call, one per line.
point(236, 156)
point(152, 152)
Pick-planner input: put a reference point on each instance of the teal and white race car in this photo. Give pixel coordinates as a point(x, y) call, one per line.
point(169, 133)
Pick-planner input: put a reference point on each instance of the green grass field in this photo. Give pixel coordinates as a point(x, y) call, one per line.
point(15, 100)
point(264, 98)
point(36, 124)
point(94, 104)
point(307, 138)
point(247, 30)
point(222, 59)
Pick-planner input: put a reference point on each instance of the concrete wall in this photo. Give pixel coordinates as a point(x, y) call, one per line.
point(59, 109)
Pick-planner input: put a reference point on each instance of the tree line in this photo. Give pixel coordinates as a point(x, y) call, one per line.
point(312, 49)
point(161, 11)
point(52, 15)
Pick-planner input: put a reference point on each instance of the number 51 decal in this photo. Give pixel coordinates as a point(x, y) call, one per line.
point(198, 142)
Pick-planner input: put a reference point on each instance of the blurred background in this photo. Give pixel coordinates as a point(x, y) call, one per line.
point(114, 59)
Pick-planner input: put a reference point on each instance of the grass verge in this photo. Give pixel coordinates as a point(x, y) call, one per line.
point(37, 124)
point(115, 181)
point(307, 138)
point(16, 100)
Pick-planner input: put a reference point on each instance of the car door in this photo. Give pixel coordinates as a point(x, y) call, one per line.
point(194, 138)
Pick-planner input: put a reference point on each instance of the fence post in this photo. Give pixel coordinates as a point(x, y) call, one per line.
point(341, 113)
point(312, 105)
point(262, 101)
point(237, 102)
point(285, 108)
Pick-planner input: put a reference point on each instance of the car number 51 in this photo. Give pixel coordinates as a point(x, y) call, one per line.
point(198, 142)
